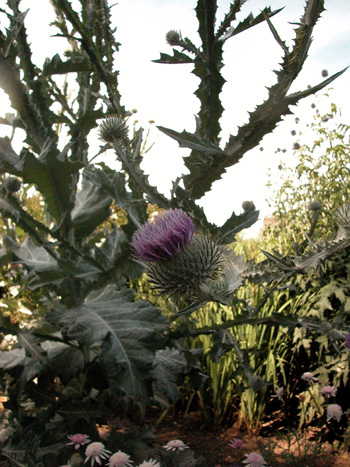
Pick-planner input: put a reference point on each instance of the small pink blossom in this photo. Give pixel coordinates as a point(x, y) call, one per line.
point(254, 460)
point(328, 391)
point(334, 411)
point(120, 459)
point(96, 452)
point(347, 341)
point(150, 463)
point(308, 376)
point(78, 440)
point(236, 443)
point(279, 393)
point(176, 445)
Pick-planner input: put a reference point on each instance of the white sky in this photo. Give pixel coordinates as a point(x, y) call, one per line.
point(164, 93)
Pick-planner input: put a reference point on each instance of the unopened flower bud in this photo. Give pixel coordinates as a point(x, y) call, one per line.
point(12, 184)
point(256, 383)
point(173, 37)
point(113, 129)
point(315, 205)
point(248, 206)
point(324, 73)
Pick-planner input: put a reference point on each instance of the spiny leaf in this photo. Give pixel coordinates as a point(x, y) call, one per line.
point(51, 174)
point(250, 21)
point(128, 331)
point(226, 233)
point(167, 366)
point(91, 208)
point(193, 141)
point(75, 64)
point(28, 253)
point(177, 58)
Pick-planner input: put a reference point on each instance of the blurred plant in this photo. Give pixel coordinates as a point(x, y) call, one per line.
point(292, 449)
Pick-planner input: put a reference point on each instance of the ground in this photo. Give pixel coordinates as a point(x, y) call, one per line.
point(214, 444)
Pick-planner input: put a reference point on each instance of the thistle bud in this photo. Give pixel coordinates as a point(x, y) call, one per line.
point(173, 37)
point(12, 185)
point(256, 383)
point(315, 205)
point(113, 129)
point(248, 206)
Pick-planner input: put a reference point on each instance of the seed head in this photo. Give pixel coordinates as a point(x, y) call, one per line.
point(173, 37)
point(315, 205)
point(113, 129)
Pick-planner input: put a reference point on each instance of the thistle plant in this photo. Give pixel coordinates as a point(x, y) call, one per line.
point(97, 352)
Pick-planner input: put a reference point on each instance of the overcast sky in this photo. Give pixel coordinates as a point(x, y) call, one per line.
point(164, 93)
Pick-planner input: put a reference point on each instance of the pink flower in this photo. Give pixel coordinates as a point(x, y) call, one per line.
point(78, 440)
point(328, 391)
point(236, 443)
point(308, 376)
point(150, 463)
point(96, 452)
point(334, 411)
point(176, 445)
point(120, 459)
point(279, 393)
point(254, 460)
point(347, 341)
point(161, 239)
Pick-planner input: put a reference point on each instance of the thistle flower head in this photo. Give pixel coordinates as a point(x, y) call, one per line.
point(254, 459)
point(175, 445)
point(113, 129)
point(347, 341)
point(315, 205)
point(150, 463)
point(256, 383)
point(186, 275)
point(173, 37)
point(96, 452)
point(308, 376)
point(328, 391)
point(184, 264)
point(120, 459)
point(279, 393)
point(334, 411)
point(161, 239)
point(236, 443)
point(78, 440)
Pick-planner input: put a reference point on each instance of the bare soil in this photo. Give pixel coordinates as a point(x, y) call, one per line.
point(213, 445)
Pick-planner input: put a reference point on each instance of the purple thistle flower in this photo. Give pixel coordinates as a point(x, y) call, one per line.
point(159, 240)
point(347, 341)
